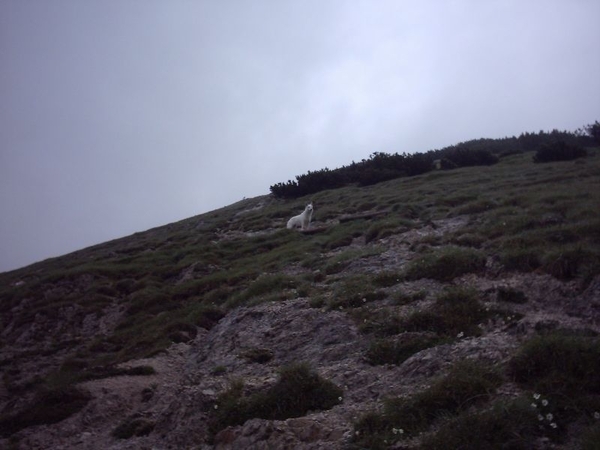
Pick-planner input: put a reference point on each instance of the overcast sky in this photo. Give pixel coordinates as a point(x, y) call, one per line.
point(121, 115)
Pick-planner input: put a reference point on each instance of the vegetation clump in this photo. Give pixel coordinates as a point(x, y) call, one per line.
point(258, 355)
point(397, 350)
point(466, 384)
point(506, 425)
point(558, 363)
point(50, 405)
point(298, 390)
point(509, 295)
point(354, 292)
point(134, 426)
point(563, 371)
point(445, 264)
point(558, 151)
point(457, 311)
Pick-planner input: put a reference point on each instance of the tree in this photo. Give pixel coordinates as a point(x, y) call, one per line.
point(594, 131)
point(558, 151)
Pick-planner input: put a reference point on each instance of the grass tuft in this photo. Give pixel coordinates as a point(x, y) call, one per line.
point(298, 390)
point(354, 292)
point(456, 310)
point(445, 264)
point(466, 384)
point(258, 355)
point(48, 406)
point(509, 295)
point(396, 351)
point(134, 426)
point(512, 425)
point(564, 365)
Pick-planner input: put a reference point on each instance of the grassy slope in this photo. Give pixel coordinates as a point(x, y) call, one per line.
point(169, 280)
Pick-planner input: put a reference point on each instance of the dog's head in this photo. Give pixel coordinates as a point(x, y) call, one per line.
point(309, 207)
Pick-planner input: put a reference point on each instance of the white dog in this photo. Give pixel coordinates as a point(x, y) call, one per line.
point(302, 220)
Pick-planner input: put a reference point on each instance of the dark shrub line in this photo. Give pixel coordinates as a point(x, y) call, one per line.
point(384, 166)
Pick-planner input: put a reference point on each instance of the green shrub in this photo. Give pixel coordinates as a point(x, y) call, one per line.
point(591, 438)
point(521, 259)
point(298, 390)
point(558, 151)
point(353, 292)
point(269, 287)
point(317, 301)
point(475, 240)
point(218, 370)
point(384, 228)
point(565, 369)
point(466, 384)
point(566, 263)
point(511, 425)
point(396, 351)
point(387, 278)
point(338, 263)
point(356, 299)
point(445, 264)
point(380, 324)
point(205, 316)
point(49, 406)
point(340, 241)
point(342, 235)
point(133, 427)
point(455, 311)
point(76, 374)
point(403, 298)
point(127, 286)
point(476, 206)
point(150, 301)
point(509, 295)
point(181, 331)
point(560, 364)
point(258, 355)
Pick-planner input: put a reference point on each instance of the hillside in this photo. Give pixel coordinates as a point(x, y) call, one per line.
point(452, 308)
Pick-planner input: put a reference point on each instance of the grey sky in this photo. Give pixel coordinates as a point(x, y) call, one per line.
point(119, 116)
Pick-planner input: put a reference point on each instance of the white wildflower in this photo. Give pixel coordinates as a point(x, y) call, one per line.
point(540, 417)
point(553, 425)
point(597, 415)
point(544, 402)
point(533, 405)
point(536, 396)
point(549, 417)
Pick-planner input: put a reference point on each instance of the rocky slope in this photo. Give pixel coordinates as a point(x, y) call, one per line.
point(337, 300)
